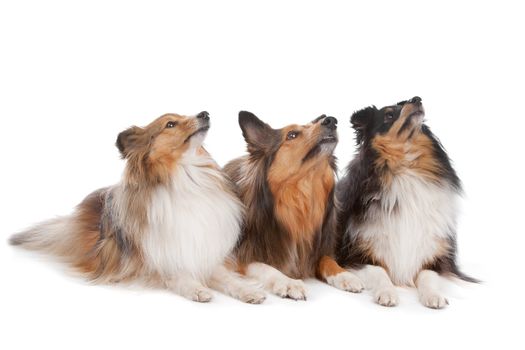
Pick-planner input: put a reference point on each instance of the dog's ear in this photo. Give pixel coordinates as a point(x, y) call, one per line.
point(128, 140)
point(360, 120)
point(259, 135)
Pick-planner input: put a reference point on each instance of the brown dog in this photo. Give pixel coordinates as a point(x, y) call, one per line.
point(172, 220)
point(287, 184)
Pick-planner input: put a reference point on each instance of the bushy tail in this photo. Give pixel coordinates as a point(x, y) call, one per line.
point(456, 272)
point(53, 236)
point(466, 278)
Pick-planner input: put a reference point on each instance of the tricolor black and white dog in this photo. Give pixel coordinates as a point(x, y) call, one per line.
point(398, 205)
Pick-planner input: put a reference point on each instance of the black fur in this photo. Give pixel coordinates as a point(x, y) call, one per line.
point(361, 186)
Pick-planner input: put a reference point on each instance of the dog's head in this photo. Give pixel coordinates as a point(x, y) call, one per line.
point(287, 181)
point(292, 148)
point(398, 121)
point(161, 143)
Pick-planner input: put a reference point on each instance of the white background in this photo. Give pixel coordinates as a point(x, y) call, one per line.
point(72, 76)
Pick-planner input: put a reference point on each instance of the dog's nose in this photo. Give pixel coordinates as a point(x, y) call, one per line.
point(203, 115)
point(415, 99)
point(329, 122)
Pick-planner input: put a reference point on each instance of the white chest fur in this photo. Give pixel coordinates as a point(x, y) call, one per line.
point(194, 223)
point(407, 227)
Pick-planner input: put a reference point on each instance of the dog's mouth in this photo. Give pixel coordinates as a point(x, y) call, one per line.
point(412, 121)
point(325, 146)
point(328, 139)
point(417, 116)
point(201, 130)
point(417, 110)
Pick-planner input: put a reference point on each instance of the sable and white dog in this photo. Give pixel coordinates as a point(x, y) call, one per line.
point(287, 183)
point(171, 221)
point(397, 215)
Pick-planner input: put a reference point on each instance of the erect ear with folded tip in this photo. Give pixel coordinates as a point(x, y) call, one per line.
point(128, 140)
point(259, 135)
point(360, 121)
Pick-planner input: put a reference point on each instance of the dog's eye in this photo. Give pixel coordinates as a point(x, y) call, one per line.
point(389, 116)
point(171, 124)
point(292, 135)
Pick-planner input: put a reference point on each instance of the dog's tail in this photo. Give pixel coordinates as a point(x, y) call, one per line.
point(71, 236)
point(456, 272)
point(467, 278)
point(54, 236)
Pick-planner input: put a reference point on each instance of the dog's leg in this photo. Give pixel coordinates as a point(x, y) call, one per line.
point(329, 271)
point(189, 288)
point(230, 283)
point(376, 279)
point(276, 282)
point(428, 283)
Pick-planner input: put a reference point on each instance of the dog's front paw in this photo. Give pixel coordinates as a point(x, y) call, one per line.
point(386, 297)
point(290, 288)
point(346, 281)
point(433, 300)
point(252, 296)
point(200, 294)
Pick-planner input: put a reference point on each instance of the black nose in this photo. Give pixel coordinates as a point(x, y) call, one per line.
point(329, 122)
point(415, 99)
point(203, 115)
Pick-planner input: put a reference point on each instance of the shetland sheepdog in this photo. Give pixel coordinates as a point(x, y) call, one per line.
point(398, 206)
point(171, 221)
point(287, 185)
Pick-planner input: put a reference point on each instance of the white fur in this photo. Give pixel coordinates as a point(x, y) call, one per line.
point(189, 288)
point(404, 230)
point(345, 281)
point(376, 279)
point(193, 223)
point(234, 285)
point(276, 282)
point(428, 288)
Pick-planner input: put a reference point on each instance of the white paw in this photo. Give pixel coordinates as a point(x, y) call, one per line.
point(290, 288)
point(386, 297)
point(346, 281)
point(252, 296)
point(433, 300)
point(200, 294)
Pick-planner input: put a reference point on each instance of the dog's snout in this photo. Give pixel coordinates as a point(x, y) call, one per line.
point(329, 122)
point(203, 115)
point(415, 100)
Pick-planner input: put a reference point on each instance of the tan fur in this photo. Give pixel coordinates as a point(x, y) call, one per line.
point(300, 190)
point(409, 149)
point(92, 244)
point(300, 200)
point(328, 267)
point(162, 146)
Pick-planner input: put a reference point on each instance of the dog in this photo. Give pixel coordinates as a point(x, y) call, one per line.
point(287, 184)
point(397, 205)
point(171, 221)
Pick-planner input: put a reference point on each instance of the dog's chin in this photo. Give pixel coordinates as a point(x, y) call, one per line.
point(327, 148)
point(328, 143)
point(419, 118)
point(197, 138)
point(328, 139)
point(417, 113)
point(323, 148)
point(416, 119)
